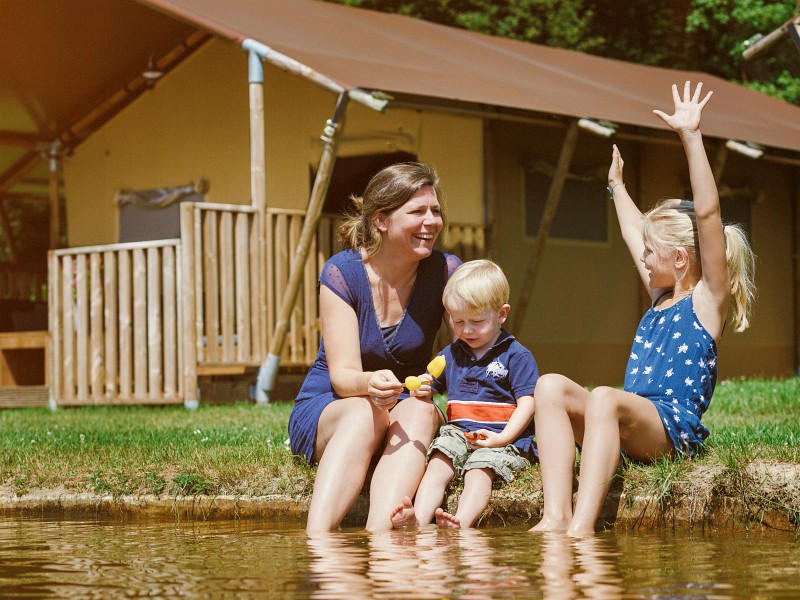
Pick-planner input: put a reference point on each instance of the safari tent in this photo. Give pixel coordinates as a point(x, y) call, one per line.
point(196, 155)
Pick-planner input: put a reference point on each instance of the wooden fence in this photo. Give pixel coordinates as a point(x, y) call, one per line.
point(114, 324)
point(139, 322)
point(23, 283)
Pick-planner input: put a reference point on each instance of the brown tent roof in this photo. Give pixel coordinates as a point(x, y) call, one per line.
point(379, 51)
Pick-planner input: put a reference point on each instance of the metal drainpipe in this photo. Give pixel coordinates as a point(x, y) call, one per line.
point(268, 372)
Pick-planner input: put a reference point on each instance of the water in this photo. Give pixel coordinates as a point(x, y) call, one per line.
point(42, 558)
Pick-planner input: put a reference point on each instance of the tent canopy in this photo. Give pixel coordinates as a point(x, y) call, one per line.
point(69, 65)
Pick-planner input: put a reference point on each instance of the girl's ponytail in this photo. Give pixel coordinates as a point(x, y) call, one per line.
point(741, 269)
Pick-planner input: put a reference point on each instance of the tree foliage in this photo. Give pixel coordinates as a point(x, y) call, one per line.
point(703, 35)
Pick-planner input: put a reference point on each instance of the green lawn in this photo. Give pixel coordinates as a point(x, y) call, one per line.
point(240, 449)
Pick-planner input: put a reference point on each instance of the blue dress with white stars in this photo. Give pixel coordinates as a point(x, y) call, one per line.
point(673, 363)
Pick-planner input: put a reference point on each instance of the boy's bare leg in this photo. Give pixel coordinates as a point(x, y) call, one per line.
point(475, 497)
point(445, 519)
point(429, 497)
point(559, 418)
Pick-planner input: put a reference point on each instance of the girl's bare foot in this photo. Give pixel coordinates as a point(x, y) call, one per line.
point(403, 515)
point(445, 519)
point(550, 524)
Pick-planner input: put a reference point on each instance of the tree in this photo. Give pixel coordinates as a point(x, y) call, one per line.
point(704, 35)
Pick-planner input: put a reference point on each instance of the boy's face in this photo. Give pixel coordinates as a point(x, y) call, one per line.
point(478, 329)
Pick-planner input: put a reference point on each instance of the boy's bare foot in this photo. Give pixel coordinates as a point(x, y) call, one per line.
point(403, 515)
point(549, 524)
point(445, 519)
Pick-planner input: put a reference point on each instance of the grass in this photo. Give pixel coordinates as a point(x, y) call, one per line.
point(240, 450)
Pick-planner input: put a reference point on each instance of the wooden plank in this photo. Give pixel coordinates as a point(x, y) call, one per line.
point(139, 325)
point(56, 325)
point(211, 280)
point(296, 317)
point(170, 322)
point(199, 282)
point(125, 328)
point(96, 333)
point(116, 247)
point(244, 318)
point(82, 329)
point(309, 303)
point(227, 303)
point(68, 322)
point(188, 303)
point(154, 324)
point(551, 204)
point(110, 323)
point(281, 266)
point(23, 340)
point(271, 258)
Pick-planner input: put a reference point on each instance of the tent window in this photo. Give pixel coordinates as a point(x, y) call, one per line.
point(351, 174)
point(582, 212)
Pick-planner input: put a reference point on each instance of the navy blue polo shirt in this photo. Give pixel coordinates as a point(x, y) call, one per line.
point(482, 393)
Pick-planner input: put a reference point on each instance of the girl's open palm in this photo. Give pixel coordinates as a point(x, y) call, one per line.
point(687, 110)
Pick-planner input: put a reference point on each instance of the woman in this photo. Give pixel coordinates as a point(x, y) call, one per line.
point(381, 307)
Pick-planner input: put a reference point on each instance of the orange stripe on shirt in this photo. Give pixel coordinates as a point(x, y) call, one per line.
point(489, 412)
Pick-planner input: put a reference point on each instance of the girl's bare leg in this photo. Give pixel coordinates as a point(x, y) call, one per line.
point(413, 424)
point(350, 432)
point(475, 497)
point(619, 420)
point(559, 419)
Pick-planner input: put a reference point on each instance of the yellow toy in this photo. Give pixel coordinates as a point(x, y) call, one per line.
point(435, 368)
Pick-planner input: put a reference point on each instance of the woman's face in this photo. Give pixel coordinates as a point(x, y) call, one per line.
point(415, 225)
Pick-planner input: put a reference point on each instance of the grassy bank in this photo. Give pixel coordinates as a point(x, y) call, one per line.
point(240, 450)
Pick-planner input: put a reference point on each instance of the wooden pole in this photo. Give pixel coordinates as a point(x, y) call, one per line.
point(331, 137)
point(553, 197)
point(55, 196)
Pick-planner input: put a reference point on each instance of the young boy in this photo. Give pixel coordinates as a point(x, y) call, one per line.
point(490, 379)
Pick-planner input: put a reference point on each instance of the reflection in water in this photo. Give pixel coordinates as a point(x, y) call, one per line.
point(107, 559)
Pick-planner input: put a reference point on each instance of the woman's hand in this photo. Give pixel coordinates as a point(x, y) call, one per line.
point(686, 118)
point(384, 388)
point(615, 170)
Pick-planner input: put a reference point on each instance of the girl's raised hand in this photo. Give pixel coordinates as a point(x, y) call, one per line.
point(687, 110)
point(615, 170)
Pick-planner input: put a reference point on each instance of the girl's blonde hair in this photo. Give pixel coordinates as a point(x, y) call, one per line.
point(477, 285)
point(387, 191)
point(672, 224)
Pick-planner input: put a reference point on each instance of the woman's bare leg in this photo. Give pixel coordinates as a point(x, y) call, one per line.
point(412, 427)
point(560, 404)
point(615, 420)
point(350, 432)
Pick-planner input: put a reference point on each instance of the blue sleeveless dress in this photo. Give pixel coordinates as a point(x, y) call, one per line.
point(673, 363)
point(404, 348)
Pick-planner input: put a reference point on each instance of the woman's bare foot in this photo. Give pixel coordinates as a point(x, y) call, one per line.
point(445, 519)
point(549, 524)
point(403, 515)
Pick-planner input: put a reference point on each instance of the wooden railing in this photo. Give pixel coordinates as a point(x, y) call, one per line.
point(223, 289)
point(139, 322)
point(114, 324)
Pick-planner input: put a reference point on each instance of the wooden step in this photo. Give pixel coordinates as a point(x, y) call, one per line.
point(23, 396)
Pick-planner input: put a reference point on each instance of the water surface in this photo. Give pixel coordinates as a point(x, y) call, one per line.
point(45, 558)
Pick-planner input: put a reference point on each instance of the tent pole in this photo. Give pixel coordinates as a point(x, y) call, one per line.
point(331, 136)
point(55, 202)
point(553, 197)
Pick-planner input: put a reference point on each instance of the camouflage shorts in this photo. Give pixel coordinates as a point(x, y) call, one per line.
point(504, 461)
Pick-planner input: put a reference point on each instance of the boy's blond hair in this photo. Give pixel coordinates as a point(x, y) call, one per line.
point(477, 285)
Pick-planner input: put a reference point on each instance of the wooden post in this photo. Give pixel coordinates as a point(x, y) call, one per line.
point(188, 305)
point(331, 137)
point(489, 185)
point(55, 196)
point(553, 197)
